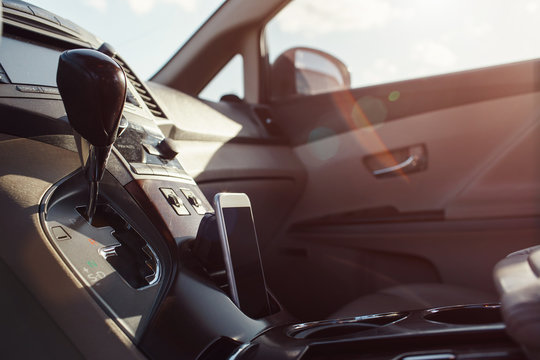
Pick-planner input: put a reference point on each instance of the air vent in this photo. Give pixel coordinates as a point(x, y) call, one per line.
point(141, 89)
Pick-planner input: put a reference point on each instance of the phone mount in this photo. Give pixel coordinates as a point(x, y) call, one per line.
point(216, 253)
point(207, 246)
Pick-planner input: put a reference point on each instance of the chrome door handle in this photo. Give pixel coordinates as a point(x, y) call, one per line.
point(411, 160)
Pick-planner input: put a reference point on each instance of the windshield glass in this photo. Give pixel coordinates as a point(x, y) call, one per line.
point(144, 32)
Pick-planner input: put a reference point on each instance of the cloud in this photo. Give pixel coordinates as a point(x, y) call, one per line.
point(315, 17)
point(531, 7)
point(434, 54)
point(141, 6)
point(481, 30)
point(145, 6)
point(100, 5)
point(188, 5)
point(380, 71)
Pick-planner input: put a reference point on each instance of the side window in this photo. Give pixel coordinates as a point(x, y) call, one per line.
point(382, 41)
point(230, 80)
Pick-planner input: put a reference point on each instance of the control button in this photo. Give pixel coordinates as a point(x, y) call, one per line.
point(191, 197)
point(29, 89)
point(141, 169)
point(194, 201)
point(59, 233)
point(168, 149)
point(172, 171)
point(159, 170)
point(176, 203)
point(151, 149)
point(179, 173)
point(173, 200)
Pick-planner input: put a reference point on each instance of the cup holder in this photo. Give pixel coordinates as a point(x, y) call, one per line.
point(343, 327)
point(481, 314)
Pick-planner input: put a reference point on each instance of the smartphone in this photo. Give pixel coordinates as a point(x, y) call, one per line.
point(241, 253)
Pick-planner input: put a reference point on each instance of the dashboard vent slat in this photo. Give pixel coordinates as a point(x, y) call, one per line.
point(131, 77)
point(147, 99)
point(141, 89)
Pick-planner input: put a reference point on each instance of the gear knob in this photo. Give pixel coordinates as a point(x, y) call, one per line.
point(93, 89)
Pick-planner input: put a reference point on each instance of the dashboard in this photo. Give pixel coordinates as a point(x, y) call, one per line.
point(145, 279)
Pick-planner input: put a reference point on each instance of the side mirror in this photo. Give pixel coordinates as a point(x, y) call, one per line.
point(305, 71)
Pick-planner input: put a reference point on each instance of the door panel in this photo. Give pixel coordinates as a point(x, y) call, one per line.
point(508, 185)
point(476, 199)
point(464, 144)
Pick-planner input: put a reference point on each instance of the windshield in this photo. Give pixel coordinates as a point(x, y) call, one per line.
point(147, 32)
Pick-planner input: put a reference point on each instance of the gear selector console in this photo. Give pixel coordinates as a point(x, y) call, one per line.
point(103, 235)
point(120, 257)
point(93, 88)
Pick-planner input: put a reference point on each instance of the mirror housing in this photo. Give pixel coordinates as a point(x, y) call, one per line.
point(306, 71)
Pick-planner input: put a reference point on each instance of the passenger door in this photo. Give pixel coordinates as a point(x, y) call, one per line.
point(432, 179)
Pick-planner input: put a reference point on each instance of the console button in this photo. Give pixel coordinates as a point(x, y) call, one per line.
point(59, 233)
point(151, 149)
point(194, 201)
point(141, 169)
point(159, 170)
point(179, 173)
point(191, 197)
point(176, 203)
point(174, 172)
point(168, 149)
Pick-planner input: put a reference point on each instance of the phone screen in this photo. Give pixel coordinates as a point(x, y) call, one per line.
point(246, 262)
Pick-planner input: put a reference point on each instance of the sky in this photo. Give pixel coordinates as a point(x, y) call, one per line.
point(388, 40)
point(379, 40)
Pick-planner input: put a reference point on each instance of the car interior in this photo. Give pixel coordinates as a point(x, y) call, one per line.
point(389, 224)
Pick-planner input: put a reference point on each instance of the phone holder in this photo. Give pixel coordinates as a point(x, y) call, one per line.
point(207, 246)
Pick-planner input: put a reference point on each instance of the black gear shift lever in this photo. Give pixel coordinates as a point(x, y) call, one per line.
point(93, 88)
